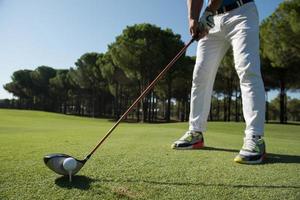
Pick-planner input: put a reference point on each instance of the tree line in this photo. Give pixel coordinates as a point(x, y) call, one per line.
point(105, 84)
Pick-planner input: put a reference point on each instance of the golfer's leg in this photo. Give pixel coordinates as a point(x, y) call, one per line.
point(245, 41)
point(210, 52)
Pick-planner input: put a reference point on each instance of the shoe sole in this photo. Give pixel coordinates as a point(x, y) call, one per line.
point(253, 162)
point(198, 145)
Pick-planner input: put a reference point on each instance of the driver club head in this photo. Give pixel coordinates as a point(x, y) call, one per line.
point(55, 163)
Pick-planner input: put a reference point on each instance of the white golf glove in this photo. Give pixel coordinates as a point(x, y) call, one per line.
point(207, 20)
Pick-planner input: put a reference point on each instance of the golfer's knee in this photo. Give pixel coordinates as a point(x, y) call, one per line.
point(249, 74)
point(200, 76)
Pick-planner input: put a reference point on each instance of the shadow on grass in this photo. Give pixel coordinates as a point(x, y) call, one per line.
point(134, 121)
point(203, 184)
point(271, 157)
point(288, 123)
point(78, 182)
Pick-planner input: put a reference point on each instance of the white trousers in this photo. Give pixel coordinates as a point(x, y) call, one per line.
point(238, 28)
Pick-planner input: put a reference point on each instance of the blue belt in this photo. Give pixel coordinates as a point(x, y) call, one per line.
point(232, 6)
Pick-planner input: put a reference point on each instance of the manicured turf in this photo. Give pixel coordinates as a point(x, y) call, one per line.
point(136, 162)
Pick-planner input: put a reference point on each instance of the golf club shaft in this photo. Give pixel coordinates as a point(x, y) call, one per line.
point(143, 94)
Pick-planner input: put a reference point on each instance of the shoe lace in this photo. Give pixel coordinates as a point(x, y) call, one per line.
point(187, 136)
point(249, 144)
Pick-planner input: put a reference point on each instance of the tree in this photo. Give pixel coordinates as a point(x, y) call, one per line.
point(293, 109)
point(270, 78)
point(59, 88)
point(280, 41)
point(141, 52)
point(41, 90)
point(173, 46)
point(274, 112)
point(32, 87)
point(227, 83)
point(92, 91)
point(119, 83)
point(21, 87)
point(181, 87)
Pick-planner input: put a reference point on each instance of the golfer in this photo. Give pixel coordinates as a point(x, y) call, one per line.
point(225, 24)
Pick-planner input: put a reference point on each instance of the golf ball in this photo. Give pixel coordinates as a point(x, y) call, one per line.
point(69, 164)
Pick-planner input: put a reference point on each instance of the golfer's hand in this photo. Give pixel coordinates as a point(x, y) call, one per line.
point(197, 30)
point(207, 20)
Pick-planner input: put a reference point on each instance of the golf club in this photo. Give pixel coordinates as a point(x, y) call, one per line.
point(67, 165)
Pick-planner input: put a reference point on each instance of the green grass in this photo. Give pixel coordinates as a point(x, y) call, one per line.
point(136, 162)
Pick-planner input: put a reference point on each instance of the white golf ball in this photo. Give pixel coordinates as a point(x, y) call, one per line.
point(69, 164)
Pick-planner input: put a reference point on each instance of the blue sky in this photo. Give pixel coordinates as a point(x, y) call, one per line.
point(57, 32)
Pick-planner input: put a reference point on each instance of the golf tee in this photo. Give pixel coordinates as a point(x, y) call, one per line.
point(70, 176)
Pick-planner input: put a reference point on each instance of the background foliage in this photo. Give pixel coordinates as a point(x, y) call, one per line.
point(105, 84)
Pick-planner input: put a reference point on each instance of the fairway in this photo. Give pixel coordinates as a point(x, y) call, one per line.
point(136, 162)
